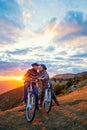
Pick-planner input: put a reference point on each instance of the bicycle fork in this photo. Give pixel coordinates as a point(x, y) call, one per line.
point(47, 95)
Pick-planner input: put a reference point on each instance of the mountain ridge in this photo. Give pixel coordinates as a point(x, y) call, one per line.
point(69, 75)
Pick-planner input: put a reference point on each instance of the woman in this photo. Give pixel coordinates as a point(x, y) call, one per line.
point(44, 77)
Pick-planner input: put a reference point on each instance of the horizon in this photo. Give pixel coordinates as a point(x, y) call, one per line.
point(20, 78)
point(9, 83)
point(42, 31)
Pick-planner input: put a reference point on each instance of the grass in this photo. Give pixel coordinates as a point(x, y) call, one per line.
point(71, 115)
point(11, 98)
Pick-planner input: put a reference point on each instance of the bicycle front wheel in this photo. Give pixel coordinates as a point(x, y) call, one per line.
point(30, 107)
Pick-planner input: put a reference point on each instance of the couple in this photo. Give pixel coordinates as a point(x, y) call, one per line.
point(42, 76)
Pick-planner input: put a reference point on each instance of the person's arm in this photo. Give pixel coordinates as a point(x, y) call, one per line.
point(46, 76)
point(43, 76)
point(26, 76)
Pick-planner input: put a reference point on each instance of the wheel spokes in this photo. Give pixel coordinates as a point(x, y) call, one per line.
point(30, 108)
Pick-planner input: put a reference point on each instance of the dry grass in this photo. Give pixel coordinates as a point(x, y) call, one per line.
point(71, 115)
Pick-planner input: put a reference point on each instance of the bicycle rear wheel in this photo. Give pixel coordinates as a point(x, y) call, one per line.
point(48, 101)
point(30, 107)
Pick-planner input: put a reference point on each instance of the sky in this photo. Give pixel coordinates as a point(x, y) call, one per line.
point(53, 32)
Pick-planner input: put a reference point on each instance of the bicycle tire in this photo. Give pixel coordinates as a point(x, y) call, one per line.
point(30, 118)
point(48, 109)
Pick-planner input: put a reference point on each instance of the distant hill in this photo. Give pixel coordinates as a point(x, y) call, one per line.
point(64, 76)
point(68, 75)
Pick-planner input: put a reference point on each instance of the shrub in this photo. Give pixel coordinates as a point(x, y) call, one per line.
point(60, 89)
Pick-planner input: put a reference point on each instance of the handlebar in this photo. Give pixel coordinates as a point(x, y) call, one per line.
point(32, 80)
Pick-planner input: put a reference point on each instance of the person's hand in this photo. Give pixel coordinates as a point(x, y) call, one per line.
point(41, 78)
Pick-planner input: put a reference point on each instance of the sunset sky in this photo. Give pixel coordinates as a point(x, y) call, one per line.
point(53, 32)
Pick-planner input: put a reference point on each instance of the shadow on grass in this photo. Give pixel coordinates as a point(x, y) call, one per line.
point(57, 119)
point(76, 102)
point(68, 121)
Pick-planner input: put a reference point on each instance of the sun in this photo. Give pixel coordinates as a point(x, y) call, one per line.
point(20, 78)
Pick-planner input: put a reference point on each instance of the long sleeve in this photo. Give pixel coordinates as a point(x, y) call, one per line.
point(31, 74)
point(44, 75)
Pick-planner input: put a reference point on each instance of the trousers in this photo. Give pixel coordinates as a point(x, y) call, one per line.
point(52, 94)
point(35, 91)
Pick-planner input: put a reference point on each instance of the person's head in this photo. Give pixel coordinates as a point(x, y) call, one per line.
point(42, 67)
point(35, 66)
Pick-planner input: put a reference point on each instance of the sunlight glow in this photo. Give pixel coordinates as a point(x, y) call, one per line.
point(7, 78)
point(20, 78)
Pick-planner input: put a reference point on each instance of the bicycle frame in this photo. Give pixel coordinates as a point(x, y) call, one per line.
point(28, 96)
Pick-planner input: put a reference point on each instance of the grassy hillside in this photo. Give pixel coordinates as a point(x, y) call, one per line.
point(11, 98)
point(65, 83)
point(71, 115)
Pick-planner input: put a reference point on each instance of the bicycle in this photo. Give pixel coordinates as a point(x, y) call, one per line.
point(31, 104)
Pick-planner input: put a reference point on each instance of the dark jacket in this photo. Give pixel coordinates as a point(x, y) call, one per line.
point(30, 74)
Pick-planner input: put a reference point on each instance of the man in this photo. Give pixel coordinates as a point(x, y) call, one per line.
point(31, 74)
point(44, 77)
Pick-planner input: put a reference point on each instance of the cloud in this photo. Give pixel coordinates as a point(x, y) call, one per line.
point(12, 68)
point(11, 13)
point(19, 51)
point(8, 33)
point(53, 20)
point(5, 40)
point(10, 22)
point(46, 29)
point(80, 55)
point(74, 17)
point(74, 25)
point(71, 28)
point(50, 49)
point(7, 68)
point(27, 35)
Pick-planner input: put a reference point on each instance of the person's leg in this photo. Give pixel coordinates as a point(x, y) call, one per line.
point(26, 84)
point(54, 97)
point(42, 95)
point(35, 89)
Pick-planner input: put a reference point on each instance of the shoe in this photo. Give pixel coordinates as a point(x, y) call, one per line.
point(57, 103)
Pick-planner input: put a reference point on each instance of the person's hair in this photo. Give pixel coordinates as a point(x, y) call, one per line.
point(35, 64)
point(44, 66)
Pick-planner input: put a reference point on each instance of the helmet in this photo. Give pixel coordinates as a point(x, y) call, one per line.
point(44, 66)
point(35, 64)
